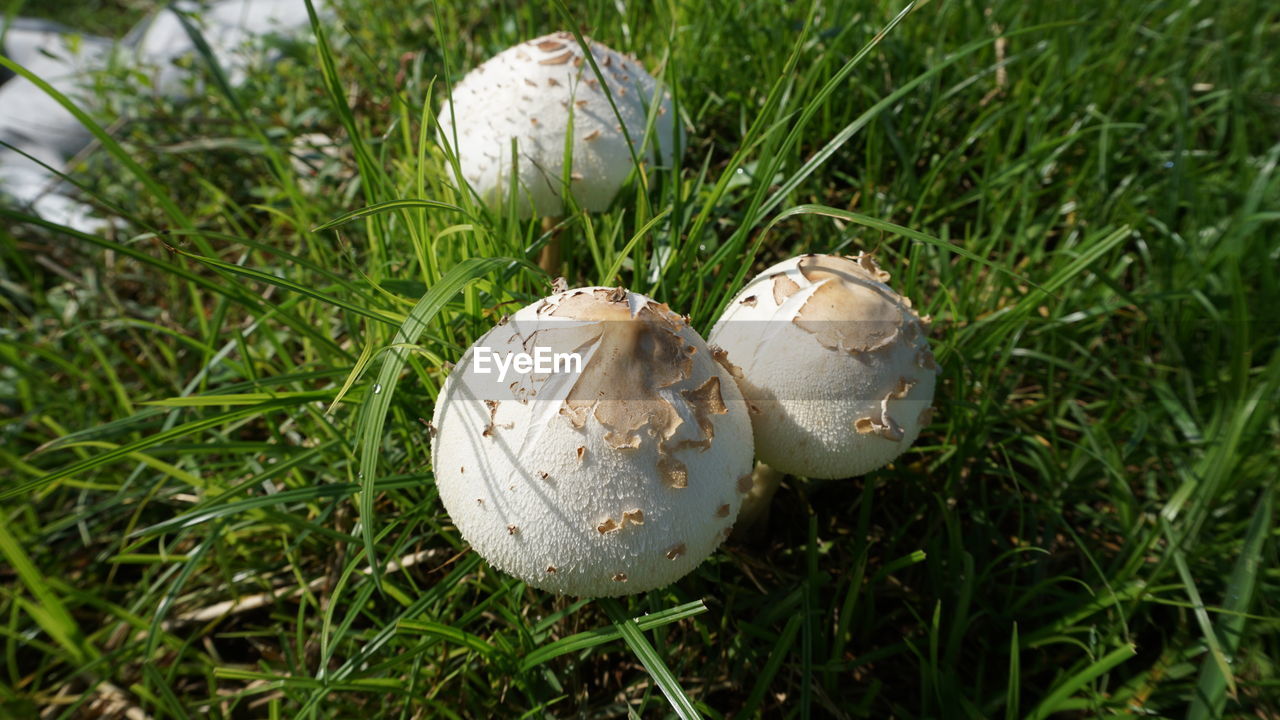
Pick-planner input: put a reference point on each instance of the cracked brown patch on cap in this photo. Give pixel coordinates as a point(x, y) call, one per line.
point(635, 358)
point(557, 60)
point(783, 288)
point(889, 428)
point(723, 510)
point(493, 419)
point(869, 264)
point(619, 441)
point(620, 577)
point(850, 311)
point(673, 473)
point(705, 401)
point(749, 301)
point(721, 356)
point(609, 525)
point(577, 416)
point(550, 46)
point(745, 482)
point(676, 551)
point(635, 517)
point(885, 426)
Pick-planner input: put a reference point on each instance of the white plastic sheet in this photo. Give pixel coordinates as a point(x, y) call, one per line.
point(34, 123)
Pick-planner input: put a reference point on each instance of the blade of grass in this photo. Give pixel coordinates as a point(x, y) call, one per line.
point(374, 410)
point(600, 636)
point(52, 615)
point(1060, 696)
point(1012, 697)
point(1201, 615)
point(146, 442)
point(776, 655)
point(387, 206)
point(650, 659)
point(1211, 687)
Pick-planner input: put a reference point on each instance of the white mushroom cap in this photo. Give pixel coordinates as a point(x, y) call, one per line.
point(526, 92)
point(836, 364)
point(614, 480)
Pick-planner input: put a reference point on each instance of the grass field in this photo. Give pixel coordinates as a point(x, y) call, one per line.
point(209, 417)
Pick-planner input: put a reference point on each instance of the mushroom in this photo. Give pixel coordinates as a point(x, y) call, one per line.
point(527, 93)
point(835, 364)
point(618, 472)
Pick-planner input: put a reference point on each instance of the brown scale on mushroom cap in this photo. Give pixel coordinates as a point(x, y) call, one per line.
point(609, 525)
point(557, 60)
point(705, 401)
point(493, 419)
point(851, 290)
point(783, 288)
point(885, 426)
point(674, 473)
point(636, 357)
point(721, 356)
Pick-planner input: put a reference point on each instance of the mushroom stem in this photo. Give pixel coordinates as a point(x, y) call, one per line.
point(549, 258)
point(755, 504)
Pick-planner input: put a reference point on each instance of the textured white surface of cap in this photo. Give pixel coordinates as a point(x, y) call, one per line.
point(836, 363)
point(526, 92)
point(614, 481)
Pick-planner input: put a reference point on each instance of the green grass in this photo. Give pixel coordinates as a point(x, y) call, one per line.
point(210, 422)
